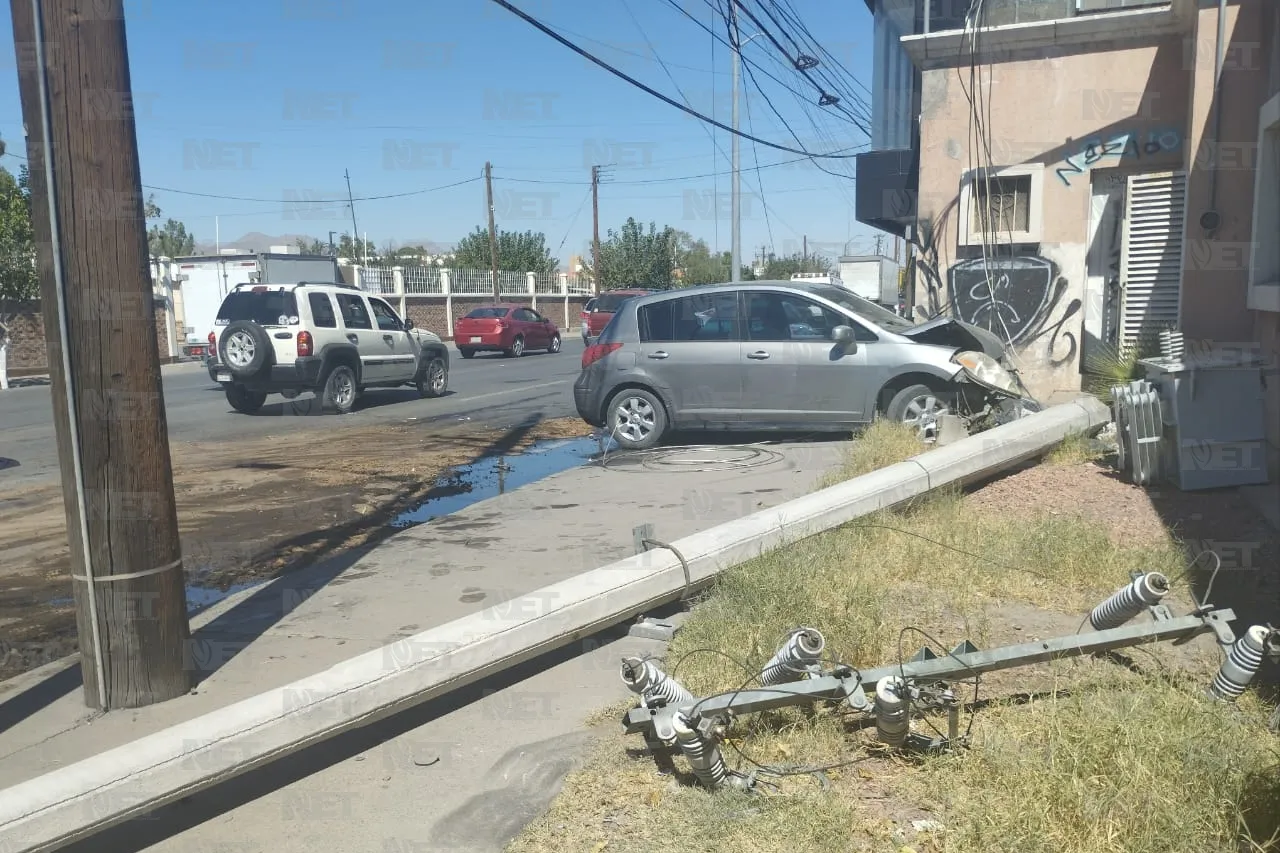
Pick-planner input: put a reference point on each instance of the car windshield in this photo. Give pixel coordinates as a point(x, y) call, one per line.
point(609, 303)
point(264, 308)
point(487, 313)
point(882, 317)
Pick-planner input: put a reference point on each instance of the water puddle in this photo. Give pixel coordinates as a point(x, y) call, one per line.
point(495, 475)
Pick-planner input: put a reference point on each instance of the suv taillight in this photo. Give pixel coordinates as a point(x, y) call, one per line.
point(304, 344)
point(595, 352)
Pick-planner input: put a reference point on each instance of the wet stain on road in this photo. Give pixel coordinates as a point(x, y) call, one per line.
point(471, 595)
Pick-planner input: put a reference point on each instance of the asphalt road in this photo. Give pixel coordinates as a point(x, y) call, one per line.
point(488, 390)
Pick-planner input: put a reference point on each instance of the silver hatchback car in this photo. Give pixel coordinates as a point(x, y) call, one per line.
point(784, 355)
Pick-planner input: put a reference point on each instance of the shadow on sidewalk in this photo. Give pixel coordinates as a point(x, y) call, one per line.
point(230, 633)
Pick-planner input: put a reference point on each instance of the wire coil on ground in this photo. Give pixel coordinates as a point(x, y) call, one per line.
point(693, 457)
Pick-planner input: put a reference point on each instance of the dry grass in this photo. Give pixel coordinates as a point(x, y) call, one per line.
point(1098, 759)
point(880, 445)
point(1076, 449)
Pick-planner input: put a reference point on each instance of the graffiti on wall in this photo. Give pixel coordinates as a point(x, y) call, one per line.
point(1018, 300)
point(1124, 145)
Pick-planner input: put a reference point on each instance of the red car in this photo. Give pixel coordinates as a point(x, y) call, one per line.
point(509, 329)
point(606, 305)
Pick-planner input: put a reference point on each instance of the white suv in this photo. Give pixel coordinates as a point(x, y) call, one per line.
point(332, 339)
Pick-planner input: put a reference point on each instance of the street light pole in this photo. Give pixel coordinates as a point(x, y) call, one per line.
point(735, 255)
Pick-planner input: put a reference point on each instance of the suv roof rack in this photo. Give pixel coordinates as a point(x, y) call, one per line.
point(326, 284)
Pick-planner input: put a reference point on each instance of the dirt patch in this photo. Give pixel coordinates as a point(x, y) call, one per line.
point(247, 511)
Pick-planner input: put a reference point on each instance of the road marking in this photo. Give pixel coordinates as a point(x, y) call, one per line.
point(514, 390)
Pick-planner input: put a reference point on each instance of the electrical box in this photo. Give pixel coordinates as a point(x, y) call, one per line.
point(1214, 419)
point(872, 277)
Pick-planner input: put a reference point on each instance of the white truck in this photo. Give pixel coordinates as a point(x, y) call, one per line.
point(202, 282)
point(873, 277)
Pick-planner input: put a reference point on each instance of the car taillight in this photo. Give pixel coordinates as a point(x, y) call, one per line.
point(304, 344)
point(213, 340)
point(595, 352)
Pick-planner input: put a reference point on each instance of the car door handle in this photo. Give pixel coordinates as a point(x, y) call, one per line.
point(758, 355)
point(353, 338)
point(659, 354)
point(388, 337)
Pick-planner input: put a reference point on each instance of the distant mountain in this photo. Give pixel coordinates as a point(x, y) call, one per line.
point(254, 241)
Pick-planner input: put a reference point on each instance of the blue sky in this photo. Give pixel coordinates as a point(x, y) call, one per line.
point(269, 102)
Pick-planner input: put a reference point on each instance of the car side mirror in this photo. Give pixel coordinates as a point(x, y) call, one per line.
point(845, 338)
point(408, 324)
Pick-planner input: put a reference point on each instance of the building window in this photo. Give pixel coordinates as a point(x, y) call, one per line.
point(1002, 205)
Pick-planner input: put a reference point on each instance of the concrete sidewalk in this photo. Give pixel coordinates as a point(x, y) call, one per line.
point(461, 773)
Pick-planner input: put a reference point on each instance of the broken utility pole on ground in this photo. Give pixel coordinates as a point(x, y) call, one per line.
point(104, 359)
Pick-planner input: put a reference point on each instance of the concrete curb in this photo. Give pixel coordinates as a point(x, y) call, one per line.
point(77, 801)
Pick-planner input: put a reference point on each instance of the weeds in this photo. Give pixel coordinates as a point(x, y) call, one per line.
point(1075, 449)
point(880, 445)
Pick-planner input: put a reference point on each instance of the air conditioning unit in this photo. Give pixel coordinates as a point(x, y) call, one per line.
point(1115, 5)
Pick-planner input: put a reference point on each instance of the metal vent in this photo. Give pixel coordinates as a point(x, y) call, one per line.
point(1139, 428)
point(1151, 257)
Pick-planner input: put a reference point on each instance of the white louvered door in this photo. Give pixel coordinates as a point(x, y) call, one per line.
point(1151, 257)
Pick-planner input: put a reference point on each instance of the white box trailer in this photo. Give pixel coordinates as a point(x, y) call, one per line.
point(872, 277)
point(205, 280)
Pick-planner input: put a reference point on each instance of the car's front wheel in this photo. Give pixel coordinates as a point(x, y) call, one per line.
point(433, 379)
point(919, 407)
point(636, 419)
point(244, 401)
point(340, 391)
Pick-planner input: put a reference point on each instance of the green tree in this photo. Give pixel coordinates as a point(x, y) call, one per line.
point(170, 240)
point(784, 267)
point(19, 282)
point(699, 265)
point(634, 257)
point(517, 251)
point(360, 250)
point(311, 246)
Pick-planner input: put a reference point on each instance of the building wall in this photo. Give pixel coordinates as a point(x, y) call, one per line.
point(1065, 113)
point(1215, 276)
point(28, 350)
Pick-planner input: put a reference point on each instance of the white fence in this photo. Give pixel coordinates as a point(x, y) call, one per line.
point(437, 281)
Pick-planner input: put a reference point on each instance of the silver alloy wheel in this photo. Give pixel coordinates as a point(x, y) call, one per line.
point(517, 347)
point(436, 377)
point(555, 344)
point(240, 349)
point(344, 389)
point(922, 414)
point(636, 419)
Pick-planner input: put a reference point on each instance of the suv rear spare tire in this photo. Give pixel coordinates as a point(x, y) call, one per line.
point(338, 392)
point(245, 348)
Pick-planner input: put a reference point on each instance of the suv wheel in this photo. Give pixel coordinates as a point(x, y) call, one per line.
point(919, 407)
point(636, 419)
point(433, 379)
point(517, 347)
point(244, 348)
point(340, 392)
point(244, 401)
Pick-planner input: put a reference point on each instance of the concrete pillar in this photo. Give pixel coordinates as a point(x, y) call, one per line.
point(446, 288)
point(397, 284)
point(531, 280)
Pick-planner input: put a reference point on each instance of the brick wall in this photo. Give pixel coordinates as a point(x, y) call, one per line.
point(430, 313)
point(28, 353)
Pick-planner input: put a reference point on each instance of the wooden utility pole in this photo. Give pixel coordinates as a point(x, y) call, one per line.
point(804, 258)
point(493, 234)
point(104, 360)
point(363, 252)
point(595, 228)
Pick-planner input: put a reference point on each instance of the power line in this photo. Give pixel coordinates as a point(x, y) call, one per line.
point(277, 201)
point(654, 92)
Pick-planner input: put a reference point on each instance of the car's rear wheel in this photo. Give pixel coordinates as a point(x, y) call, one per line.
point(244, 401)
point(918, 407)
point(340, 392)
point(433, 379)
point(555, 344)
point(636, 419)
point(467, 353)
point(517, 348)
